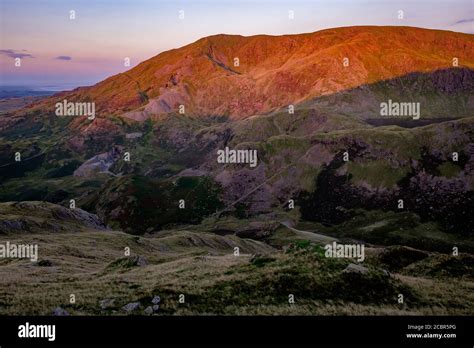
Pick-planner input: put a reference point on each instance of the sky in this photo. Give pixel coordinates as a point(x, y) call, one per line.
point(56, 49)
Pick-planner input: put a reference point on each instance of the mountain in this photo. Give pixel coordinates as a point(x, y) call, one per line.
point(337, 110)
point(334, 170)
point(272, 71)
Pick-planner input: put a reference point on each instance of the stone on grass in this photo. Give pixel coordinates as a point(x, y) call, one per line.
point(107, 303)
point(60, 312)
point(353, 268)
point(130, 307)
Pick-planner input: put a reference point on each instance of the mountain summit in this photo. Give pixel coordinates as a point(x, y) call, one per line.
point(237, 76)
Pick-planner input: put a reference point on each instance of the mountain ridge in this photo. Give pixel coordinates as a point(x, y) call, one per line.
point(273, 71)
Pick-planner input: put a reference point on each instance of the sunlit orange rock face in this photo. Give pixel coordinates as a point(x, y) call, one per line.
point(272, 71)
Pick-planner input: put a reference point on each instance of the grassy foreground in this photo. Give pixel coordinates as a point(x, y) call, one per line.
point(204, 267)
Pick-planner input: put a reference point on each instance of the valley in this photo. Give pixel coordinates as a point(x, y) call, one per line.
point(231, 202)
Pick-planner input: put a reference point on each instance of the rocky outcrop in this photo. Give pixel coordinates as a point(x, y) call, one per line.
point(99, 163)
point(44, 216)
